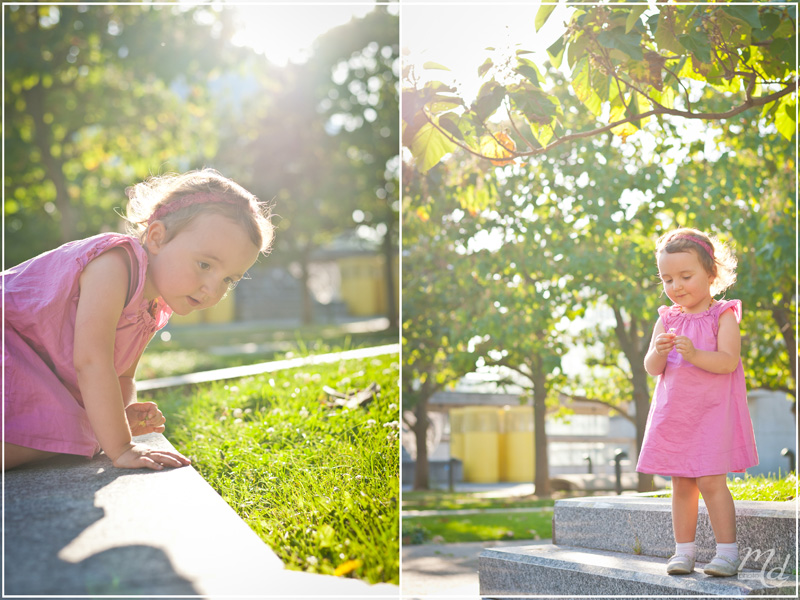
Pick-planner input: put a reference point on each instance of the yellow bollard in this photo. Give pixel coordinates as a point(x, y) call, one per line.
point(481, 444)
point(519, 446)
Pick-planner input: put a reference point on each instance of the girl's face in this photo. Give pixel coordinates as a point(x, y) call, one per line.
point(686, 282)
point(193, 270)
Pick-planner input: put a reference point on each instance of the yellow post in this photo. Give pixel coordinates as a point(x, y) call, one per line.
point(481, 447)
point(519, 443)
point(502, 445)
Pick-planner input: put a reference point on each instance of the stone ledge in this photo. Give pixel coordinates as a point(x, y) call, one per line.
point(644, 525)
point(570, 571)
point(81, 527)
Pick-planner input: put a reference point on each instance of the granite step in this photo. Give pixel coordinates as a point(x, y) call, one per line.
point(569, 571)
point(637, 525)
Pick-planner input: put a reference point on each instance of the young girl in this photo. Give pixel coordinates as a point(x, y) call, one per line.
point(78, 318)
point(699, 428)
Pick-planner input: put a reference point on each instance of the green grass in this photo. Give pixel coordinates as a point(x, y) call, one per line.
point(319, 484)
point(759, 487)
point(478, 527)
point(441, 500)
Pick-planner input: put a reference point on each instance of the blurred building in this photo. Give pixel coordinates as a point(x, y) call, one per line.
point(361, 267)
point(347, 279)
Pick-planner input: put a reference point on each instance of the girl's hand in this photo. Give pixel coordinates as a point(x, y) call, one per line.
point(142, 457)
point(145, 417)
point(685, 347)
point(664, 342)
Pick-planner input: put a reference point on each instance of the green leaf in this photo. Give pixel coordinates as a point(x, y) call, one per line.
point(537, 106)
point(665, 36)
point(529, 70)
point(542, 133)
point(583, 88)
point(435, 65)
point(484, 68)
point(633, 17)
point(449, 123)
point(783, 49)
point(697, 44)
point(489, 98)
point(544, 12)
point(629, 43)
point(429, 146)
point(784, 120)
point(770, 21)
point(748, 14)
point(576, 49)
point(556, 52)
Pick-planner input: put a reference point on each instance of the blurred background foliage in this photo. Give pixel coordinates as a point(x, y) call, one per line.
point(100, 97)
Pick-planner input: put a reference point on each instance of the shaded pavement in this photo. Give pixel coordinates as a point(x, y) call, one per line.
point(431, 570)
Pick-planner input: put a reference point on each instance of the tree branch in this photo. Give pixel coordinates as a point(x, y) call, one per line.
point(751, 103)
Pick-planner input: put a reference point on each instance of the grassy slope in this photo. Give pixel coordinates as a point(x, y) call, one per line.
point(319, 484)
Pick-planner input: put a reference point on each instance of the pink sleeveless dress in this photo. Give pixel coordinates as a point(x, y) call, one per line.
point(42, 401)
point(699, 423)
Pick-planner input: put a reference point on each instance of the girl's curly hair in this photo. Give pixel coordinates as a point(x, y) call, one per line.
point(155, 193)
point(720, 262)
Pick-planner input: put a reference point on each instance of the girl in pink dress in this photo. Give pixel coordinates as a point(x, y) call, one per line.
point(699, 428)
point(78, 318)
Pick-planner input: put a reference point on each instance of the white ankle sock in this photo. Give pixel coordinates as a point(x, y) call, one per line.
point(687, 549)
point(730, 551)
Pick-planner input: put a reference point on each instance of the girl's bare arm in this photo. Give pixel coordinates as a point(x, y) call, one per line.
point(729, 343)
point(103, 285)
point(143, 417)
point(660, 345)
point(103, 288)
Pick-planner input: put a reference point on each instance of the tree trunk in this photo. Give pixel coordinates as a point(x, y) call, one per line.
point(391, 296)
point(421, 472)
point(641, 401)
point(35, 98)
point(308, 305)
point(634, 347)
point(542, 478)
point(785, 326)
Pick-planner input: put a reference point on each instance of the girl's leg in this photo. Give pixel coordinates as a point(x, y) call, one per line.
point(20, 455)
point(684, 509)
point(720, 506)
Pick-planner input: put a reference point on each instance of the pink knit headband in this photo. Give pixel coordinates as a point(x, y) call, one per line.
point(190, 200)
point(705, 246)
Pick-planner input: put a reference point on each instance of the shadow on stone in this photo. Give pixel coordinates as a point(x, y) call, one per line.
point(48, 507)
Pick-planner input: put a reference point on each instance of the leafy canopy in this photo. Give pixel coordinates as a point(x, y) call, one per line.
point(626, 65)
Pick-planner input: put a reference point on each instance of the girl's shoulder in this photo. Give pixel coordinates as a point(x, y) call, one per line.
point(669, 313)
point(90, 248)
point(719, 307)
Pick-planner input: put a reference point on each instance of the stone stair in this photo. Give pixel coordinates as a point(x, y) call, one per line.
point(619, 546)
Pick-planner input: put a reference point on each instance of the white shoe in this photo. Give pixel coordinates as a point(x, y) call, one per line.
point(721, 566)
point(680, 564)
